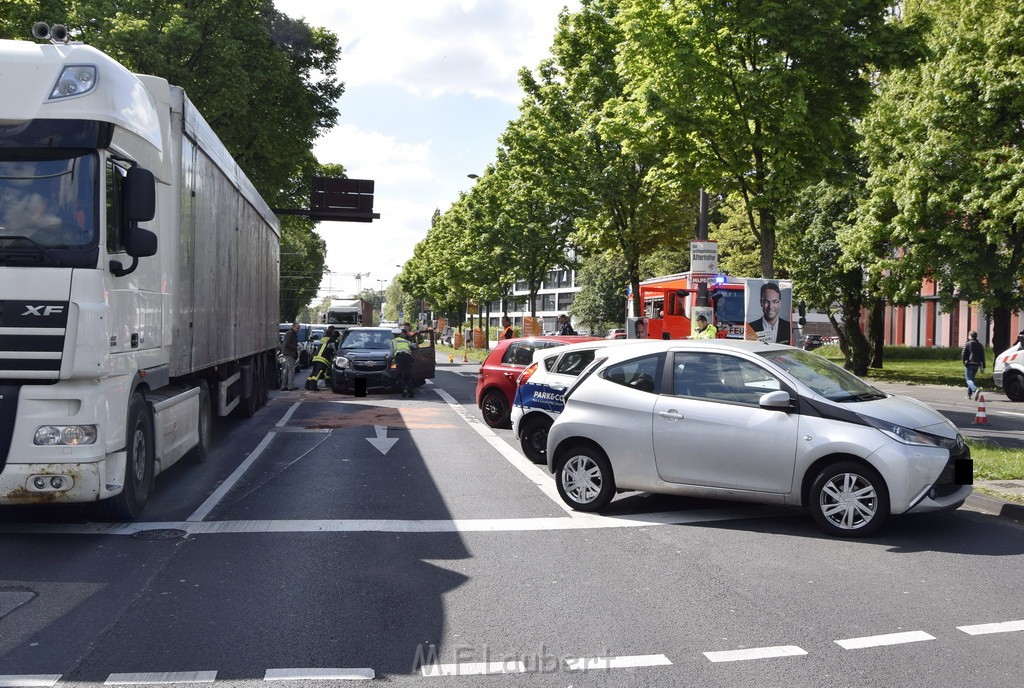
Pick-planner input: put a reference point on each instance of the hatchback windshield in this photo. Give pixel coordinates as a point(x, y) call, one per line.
point(823, 376)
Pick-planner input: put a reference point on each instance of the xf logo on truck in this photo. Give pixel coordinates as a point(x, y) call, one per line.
point(33, 313)
point(43, 310)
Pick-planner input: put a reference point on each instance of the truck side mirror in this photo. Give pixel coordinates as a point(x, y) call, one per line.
point(139, 193)
point(801, 308)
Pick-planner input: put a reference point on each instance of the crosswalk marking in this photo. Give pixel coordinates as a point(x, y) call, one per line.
point(151, 679)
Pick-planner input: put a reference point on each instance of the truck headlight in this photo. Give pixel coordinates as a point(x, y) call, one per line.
point(65, 435)
point(341, 361)
point(74, 80)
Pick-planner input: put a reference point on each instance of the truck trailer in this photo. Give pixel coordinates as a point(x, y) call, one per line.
point(138, 280)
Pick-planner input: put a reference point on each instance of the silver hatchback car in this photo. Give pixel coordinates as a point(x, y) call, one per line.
point(755, 422)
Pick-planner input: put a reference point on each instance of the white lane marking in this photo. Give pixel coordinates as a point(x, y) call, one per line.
point(287, 415)
point(604, 663)
point(469, 525)
point(28, 680)
point(161, 678)
point(214, 499)
point(983, 629)
point(539, 477)
point(382, 442)
point(755, 653)
point(319, 675)
point(473, 668)
point(12, 599)
point(887, 639)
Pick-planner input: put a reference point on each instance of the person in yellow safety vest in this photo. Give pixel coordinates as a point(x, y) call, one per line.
point(705, 331)
point(401, 352)
point(322, 359)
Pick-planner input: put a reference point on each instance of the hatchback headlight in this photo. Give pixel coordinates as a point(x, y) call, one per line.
point(65, 435)
point(906, 435)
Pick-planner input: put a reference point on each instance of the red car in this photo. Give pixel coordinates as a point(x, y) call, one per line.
point(496, 385)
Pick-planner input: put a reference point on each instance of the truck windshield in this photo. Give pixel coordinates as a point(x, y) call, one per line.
point(48, 206)
point(343, 317)
point(729, 309)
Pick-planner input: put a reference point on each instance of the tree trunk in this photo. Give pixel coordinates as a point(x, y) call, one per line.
point(1000, 328)
point(876, 330)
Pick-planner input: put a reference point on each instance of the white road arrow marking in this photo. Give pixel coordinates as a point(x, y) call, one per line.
point(382, 442)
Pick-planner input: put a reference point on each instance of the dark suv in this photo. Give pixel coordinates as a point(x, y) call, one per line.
point(812, 342)
point(496, 384)
point(365, 353)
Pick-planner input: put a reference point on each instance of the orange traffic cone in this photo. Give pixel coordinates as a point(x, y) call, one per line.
point(981, 418)
point(465, 356)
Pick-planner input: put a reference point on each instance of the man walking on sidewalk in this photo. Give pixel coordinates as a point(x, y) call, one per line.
point(290, 351)
point(973, 355)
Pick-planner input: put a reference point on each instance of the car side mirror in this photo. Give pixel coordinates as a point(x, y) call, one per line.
point(778, 399)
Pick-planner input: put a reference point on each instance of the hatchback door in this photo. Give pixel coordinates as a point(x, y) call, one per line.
point(710, 431)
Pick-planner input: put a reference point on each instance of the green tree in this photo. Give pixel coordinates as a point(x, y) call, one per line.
point(601, 300)
point(754, 98)
point(944, 146)
point(568, 135)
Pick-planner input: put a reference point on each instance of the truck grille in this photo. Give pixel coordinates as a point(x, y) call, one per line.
point(32, 339)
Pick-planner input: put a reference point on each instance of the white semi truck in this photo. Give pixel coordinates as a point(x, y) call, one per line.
point(138, 280)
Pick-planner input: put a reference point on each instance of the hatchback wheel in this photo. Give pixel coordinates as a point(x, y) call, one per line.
point(584, 479)
point(849, 499)
point(495, 409)
point(534, 438)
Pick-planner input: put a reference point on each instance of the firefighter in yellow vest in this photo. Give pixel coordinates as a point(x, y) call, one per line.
point(704, 330)
point(322, 359)
point(401, 352)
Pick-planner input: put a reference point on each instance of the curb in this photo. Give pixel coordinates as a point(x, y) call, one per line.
point(995, 507)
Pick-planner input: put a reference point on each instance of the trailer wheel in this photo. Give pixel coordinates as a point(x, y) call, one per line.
point(201, 451)
point(138, 472)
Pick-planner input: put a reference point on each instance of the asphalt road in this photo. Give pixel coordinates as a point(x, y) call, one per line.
point(332, 539)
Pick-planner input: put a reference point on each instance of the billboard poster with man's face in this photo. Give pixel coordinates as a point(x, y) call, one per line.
point(769, 310)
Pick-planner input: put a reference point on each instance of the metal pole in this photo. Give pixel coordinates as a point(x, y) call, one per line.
point(702, 235)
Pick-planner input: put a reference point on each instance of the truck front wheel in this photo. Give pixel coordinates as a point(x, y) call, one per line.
point(138, 471)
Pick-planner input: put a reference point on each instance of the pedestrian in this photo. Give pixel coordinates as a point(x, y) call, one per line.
point(290, 351)
point(564, 326)
point(322, 359)
point(401, 353)
point(973, 355)
point(506, 328)
point(704, 330)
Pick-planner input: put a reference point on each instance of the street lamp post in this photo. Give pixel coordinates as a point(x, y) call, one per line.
point(381, 283)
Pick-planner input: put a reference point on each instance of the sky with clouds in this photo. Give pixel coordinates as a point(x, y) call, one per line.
point(430, 85)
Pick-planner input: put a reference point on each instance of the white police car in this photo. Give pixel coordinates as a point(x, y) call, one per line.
point(539, 391)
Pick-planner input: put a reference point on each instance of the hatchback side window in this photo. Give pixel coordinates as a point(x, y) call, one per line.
point(639, 373)
point(518, 353)
point(720, 377)
point(575, 362)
